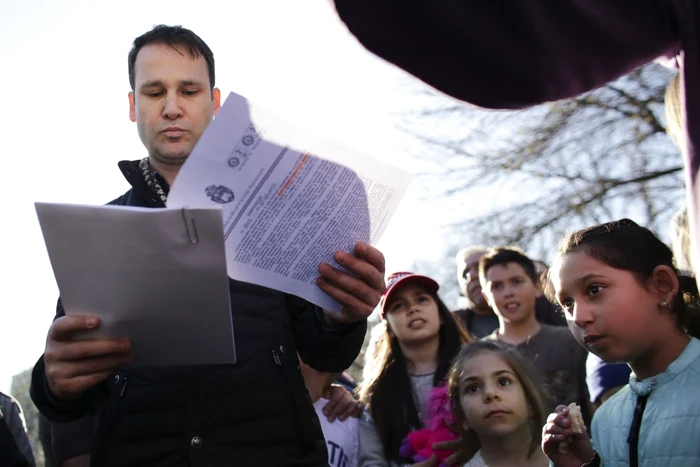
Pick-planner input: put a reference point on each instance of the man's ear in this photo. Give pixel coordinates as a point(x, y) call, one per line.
point(216, 97)
point(132, 107)
point(664, 283)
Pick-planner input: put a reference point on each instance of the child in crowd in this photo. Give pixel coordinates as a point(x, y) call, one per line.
point(413, 356)
point(619, 287)
point(511, 285)
point(604, 380)
point(497, 406)
point(341, 435)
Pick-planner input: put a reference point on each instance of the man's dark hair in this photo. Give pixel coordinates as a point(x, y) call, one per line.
point(172, 36)
point(504, 255)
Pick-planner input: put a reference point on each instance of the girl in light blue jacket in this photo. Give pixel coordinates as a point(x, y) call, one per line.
point(625, 302)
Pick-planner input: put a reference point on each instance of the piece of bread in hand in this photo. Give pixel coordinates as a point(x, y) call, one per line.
point(577, 425)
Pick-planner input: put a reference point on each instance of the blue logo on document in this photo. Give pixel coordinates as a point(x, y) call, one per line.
point(219, 194)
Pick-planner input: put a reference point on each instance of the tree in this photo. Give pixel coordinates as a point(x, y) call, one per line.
point(544, 171)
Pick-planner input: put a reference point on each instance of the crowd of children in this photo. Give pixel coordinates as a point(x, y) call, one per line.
point(624, 365)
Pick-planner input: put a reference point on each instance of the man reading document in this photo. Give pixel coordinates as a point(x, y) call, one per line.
point(255, 412)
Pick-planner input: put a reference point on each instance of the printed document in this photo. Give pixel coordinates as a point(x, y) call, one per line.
point(155, 276)
point(289, 199)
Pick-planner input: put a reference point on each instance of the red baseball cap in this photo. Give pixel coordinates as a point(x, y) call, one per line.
point(401, 278)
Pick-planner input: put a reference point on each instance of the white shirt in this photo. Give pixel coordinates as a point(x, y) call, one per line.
point(476, 461)
point(341, 438)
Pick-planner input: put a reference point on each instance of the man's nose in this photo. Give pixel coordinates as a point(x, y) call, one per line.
point(171, 106)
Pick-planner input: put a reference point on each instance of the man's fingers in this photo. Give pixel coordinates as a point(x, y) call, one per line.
point(75, 387)
point(351, 304)
point(91, 348)
point(65, 327)
point(372, 256)
point(343, 284)
point(367, 272)
point(78, 368)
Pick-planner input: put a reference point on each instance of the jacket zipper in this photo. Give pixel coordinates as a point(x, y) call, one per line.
point(121, 393)
point(304, 440)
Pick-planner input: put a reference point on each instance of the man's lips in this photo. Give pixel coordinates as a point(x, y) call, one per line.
point(173, 132)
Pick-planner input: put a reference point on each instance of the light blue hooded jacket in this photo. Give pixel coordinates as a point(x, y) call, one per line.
point(670, 431)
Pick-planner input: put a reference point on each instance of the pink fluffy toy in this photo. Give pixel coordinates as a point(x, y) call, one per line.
point(418, 445)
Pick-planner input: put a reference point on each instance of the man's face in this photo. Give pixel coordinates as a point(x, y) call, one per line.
point(172, 103)
point(469, 282)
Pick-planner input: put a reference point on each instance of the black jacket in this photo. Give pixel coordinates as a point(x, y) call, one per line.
point(254, 413)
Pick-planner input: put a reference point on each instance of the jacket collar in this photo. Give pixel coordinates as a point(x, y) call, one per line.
point(685, 359)
point(132, 174)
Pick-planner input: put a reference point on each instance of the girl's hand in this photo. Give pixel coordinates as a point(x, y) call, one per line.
point(564, 447)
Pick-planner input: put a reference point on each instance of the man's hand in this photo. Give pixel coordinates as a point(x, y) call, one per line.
point(75, 366)
point(341, 404)
point(358, 292)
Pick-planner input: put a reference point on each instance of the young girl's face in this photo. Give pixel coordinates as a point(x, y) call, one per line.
point(492, 397)
point(412, 315)
point(608, 311)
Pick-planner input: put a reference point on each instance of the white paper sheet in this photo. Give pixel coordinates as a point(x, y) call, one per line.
point(289, 200)
point(155, 276)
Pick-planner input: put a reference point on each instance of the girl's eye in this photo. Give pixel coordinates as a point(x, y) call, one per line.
point(396, 306)
point(504, 382)
point(422, 298)
point(594, 289)
point(471, 388)
point(567, 304)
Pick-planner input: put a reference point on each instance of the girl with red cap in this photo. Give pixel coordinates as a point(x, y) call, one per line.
point(412, 356)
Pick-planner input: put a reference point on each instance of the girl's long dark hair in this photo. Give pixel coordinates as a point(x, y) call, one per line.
point(625, 245)
point(387, 390)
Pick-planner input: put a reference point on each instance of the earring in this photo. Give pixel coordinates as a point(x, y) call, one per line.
point(664, 304)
